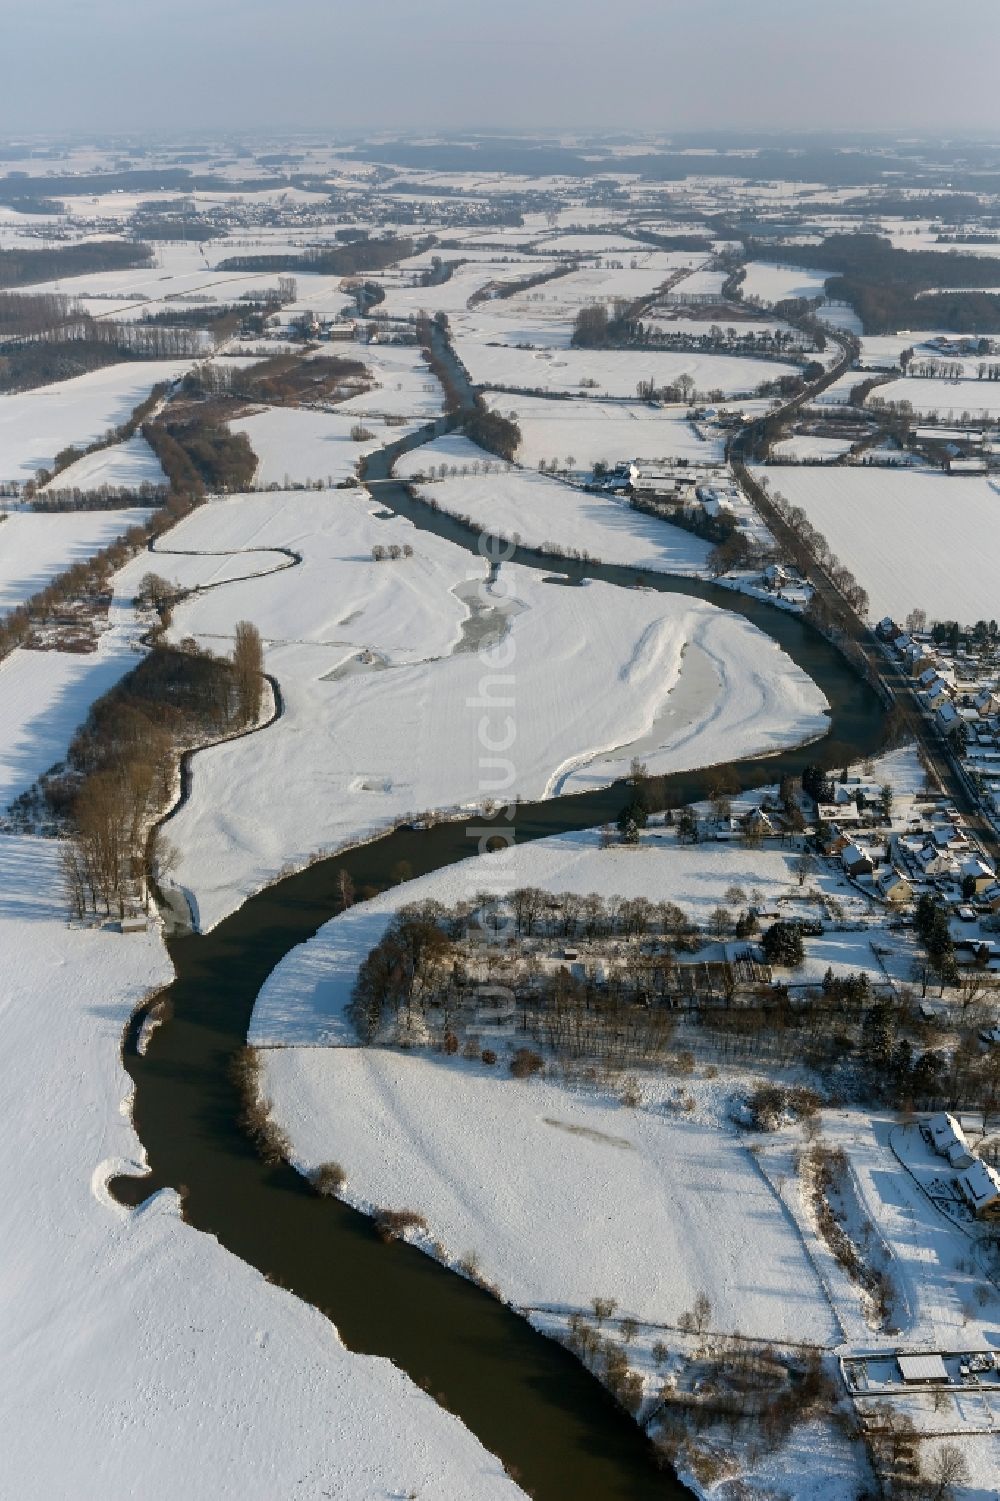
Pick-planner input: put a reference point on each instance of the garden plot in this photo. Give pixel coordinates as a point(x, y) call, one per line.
point(840, 315)
point(703, 283)
point(948, 399)
point(661, 322)
point(937, 1273)
point(882, 351)
point(550, 515)
point(616, 372)
point(613, 432)
point(36, 425)
point(298, 445)
point(913, 540)
point(37, 545)
point(369, 739)
point(140, 1357)
point(579, 243)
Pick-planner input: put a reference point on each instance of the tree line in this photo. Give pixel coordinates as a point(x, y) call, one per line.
point(339, 260)
point(21, 268)
point(118, 774)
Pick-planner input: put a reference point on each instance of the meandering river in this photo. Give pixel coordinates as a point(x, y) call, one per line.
point(524, 1397)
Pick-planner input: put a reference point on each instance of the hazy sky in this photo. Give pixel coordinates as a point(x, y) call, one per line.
point(424, 64)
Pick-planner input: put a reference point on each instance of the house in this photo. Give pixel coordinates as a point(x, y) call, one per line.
point(758, 822)
point(990, 898)
point(937, 865)
point(978, 873)
point(949, 1140)
point(918, 659)
point(893, 886)
point(937, 692)
point(856, 861)
point(838, 813)
point(979, 1186)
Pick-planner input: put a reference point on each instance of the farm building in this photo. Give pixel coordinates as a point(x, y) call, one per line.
point(949, 1140)
point(980, 1188)
point(920, 1368)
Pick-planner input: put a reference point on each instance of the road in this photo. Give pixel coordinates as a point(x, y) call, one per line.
point(859, 641)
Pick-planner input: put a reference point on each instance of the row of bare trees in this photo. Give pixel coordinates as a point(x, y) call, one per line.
point(120, 769)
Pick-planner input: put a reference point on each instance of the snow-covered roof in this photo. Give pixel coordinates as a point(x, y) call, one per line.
point(944, 1130)
point(922, 1368)
point(981, 1184)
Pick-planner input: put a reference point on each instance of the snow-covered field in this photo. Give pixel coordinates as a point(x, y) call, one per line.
point(302, 1002)
point(615, 432)
point(543, 511)
point(773, 282)
point(124, 466)
point(45, 695)
point(339, 600)
point(562, 1197)
point(139, 1357)
point(803, 447)
point(947, 399)
point(556, 303)
point(838, 393)
point(402, 384)
point(296, 445)
point(35, 546)
point(36, 425)
point(617, 372)
point(659, 1180)
point(382, 704)
point(913, 540)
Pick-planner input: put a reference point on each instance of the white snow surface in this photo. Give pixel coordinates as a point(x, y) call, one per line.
point(36, 425)
point(46, 695)
point(124, 465)
point(616, 371)
point(947, 399)
point(520, 503)
point(298, 444)
point(502, 1168)
point(802, 447)
point(774, 282)
point(139, 1357)
point(37, 545)
point(397, 730)
point(613, 431)
point(303, 1000)
point(559, 1193)
point(912, 539)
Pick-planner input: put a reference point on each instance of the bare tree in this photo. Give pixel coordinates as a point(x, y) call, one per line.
point(248, 662)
